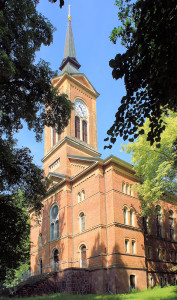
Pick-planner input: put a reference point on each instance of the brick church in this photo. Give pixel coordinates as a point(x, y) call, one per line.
point(90, 229)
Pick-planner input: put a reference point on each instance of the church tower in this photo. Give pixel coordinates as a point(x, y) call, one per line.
point(64, 152)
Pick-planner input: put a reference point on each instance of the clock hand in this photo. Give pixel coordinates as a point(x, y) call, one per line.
point(81, 108)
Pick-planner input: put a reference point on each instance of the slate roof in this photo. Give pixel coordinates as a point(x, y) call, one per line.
point(69, 63)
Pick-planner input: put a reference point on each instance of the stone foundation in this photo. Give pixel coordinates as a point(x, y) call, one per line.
point(71, 280)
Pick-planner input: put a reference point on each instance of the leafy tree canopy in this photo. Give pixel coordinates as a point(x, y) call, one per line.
point(26, 92)
point(156, 167)
point(148, 31)
point(14, 233)
point(26, 95)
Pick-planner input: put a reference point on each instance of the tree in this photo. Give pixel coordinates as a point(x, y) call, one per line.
point(26, 95)
point(156, 167)
point(14, 233)
point(148, 66)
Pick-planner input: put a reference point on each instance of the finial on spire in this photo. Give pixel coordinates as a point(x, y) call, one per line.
point(69, 15)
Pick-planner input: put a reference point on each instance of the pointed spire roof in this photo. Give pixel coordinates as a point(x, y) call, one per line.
point(69, 63)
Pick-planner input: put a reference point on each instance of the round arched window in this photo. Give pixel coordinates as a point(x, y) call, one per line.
point(54, 222)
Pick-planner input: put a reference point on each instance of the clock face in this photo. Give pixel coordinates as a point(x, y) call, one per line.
point(81, 109)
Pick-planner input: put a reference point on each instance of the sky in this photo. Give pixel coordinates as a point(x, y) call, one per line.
point(92, 23)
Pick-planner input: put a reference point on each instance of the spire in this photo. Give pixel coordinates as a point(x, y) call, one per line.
point(69, 63)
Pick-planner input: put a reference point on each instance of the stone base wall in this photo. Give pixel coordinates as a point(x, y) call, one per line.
point(71, 280)
point(84, 281)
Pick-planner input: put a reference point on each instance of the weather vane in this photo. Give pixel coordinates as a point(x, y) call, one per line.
point(69, 15)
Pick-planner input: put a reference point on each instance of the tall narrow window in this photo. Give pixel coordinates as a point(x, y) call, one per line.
point(40, 266)
point(133, 247)
point(83, 195)
point(79, 197)
point(125, 210)
point(159, 220)
point(40, 239)
point(83, 260)
point(57, 229)
point(131, 190)
point(127, 189)
point(84, 131)
point(82, 221)
point(54, 136)
point(123, 187)
point(54, 222)
point(131, 217)
point(55, 259)
point(52, 231)
point(163, 254)
point(77, 127)
point(171, 225)
point(145, 224)
point(126, 246)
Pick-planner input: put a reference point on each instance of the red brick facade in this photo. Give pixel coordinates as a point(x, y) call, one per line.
point(97, 224)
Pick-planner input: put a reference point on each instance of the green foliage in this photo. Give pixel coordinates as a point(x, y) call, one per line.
point(14, 233)
point(14, 277)
point(26, 86)
point(26, 95)
point(156, 166)
point(60, 1)
point(148, 66)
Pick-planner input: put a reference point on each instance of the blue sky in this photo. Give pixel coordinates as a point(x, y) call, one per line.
point(92, 22)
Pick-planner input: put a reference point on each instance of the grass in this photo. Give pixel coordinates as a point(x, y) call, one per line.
point(166, 293)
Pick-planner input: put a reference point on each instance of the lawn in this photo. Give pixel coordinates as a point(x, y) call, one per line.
point(157, 293)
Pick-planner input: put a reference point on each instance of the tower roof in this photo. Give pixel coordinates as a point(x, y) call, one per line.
point(69, 63)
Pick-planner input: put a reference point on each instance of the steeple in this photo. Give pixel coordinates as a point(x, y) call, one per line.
point(69, 63)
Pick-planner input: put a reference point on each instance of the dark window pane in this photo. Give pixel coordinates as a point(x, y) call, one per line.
point(132, 281)
point(84, 131)
point(77, 127)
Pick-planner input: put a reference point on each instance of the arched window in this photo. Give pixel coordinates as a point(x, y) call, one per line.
point(171, 225)
point(83, 256)
point(159, 221)
point(131, 217)
point(83, 195)
point(54, 222)
point(125, 211)
point(82, 221)
point(77, 127)
point(55, 259)
point(79, 197)
point(40, 266)
point(123, 187)
point(84, 131)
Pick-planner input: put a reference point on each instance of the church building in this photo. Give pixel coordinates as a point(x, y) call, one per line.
point(90, 232)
